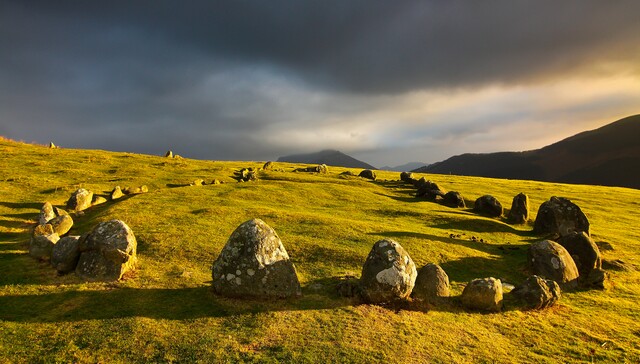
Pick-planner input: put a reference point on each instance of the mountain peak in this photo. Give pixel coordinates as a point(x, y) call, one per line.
point(329, 157)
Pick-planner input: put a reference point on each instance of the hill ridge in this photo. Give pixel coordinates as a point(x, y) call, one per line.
point(329, 157)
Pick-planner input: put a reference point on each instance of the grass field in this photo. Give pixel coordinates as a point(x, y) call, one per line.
point(167, 312)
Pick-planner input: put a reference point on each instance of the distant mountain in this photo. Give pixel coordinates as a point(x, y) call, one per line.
point(608, 156)
point(405, 167)
point(328, 157)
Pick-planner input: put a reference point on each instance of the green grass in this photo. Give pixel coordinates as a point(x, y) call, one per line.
point(166, 311)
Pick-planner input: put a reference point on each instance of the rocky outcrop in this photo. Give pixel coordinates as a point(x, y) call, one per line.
point(550, 260)
point(254, 263)
point(483, 294)
point(65, 254)
point(537, 293)
point(560, 216)
point(80, 200)
point(453, 199)
point(519, 213)
point(489, 206)
point(432, 284)
point(368, 174)
point(107, 252)
point(388, 274)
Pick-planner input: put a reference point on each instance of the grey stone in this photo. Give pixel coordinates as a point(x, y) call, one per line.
point(368, 174)
point(432, 284)
point(583, 250)
point(519, 213)
point(197, 182)
point(489, 206)
point(537, 293)
point(42, 245)
point(116, 193)
point(595, 279)
point(46, 213)
point(406, 177)
point(44, 229)
point(551, 260)
point(255, 263)
point(388, 274)
point(484, 294)
point(108, 252)
point(80, 200)
point(453, 199)
point(61, 224)
point(560, 216)
point(429, 190)
point(65, 254)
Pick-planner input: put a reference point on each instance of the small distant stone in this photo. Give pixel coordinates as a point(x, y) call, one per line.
point(388, 274)
point(52, 146)
point(169, 154)
point(538, 293)
point(97, 200)
point(42, 245)
point(406, 176)
point(560, 215)
point(65, 254)
point(80, 200)
point(519, 213)
point(116, 193)
point(197, 182)
point(489, 206)
point(268, 166)
point(453, 199)
point(144, 189)
point(246, 175)
point(135, 190)
point(215, 182)
point(61, 224)
point(432, 284)
point(484, 294)
point(46, 213)
point(368, 174)
point(429, 190)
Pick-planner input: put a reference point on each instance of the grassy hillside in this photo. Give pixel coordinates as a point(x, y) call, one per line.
point(166, 311)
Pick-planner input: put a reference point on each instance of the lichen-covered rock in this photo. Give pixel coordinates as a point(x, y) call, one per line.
point(368, 174)
point(429, 190)
point(246, 175)
point(432, 284)
point(537, 293)
point(519, 213)
point(46, 213)
point(489, 206)
point(65, 254)
point(406, 177)
point(550, 260)
point(484, 294)
point(453, 199)
point(268, 166)
point(560, 216)
point(583, 250)
point(42, 245)
point(61, 224)
point(107, 252)
point(116, 193)
point(80, 200)
point(254, 263)
point(388, 274)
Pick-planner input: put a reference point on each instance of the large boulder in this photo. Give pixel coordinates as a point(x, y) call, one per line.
point(489, 206)
point(107, 252)
point(388, 274)
point(61, 224)
point(583, 250)
point(406, 177)
point(537, 293)
point(484, 294)
point(42, 245)
point(560, 216)
point(432, 284)
point(550, 260)
point(46, 213)
point(429, 190)
point(254, 263)
point(519, 213)
point(368, 174)
point(65, 254)
point(453, 199)
point(80, 200)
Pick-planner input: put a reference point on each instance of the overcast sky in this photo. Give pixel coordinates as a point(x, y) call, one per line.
point(387, 82)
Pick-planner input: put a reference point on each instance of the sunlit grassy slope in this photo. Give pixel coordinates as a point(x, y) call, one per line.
point(166, 311)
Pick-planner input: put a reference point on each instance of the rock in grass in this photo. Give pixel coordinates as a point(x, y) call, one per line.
point(59, 211)
point(168, 154)
point(65, 254)
point(583, 250)
point(388, 274)
point(519, 213)
point(429, 190)
point(61, 224)
point(560, 216)
point(537, 293)
point(489, 206)
point(80, 200)
point(46, 213)
point(550, 260)
point(116, 193)
point(254, 263)
point(432, 284)
point(107, 252)
point(197, 182)
point(453, 199)
point(368, 174)
point(268, 166)
point(406, 177)
point(42, 245)
point(97, 200)
point(484, 294)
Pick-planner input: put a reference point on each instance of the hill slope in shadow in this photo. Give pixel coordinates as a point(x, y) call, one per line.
point(328, 157)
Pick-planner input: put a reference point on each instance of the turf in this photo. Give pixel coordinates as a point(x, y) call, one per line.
point(166, 311)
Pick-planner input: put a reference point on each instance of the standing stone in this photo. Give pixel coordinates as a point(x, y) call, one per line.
point(46, 213)
point(519, 213)
point(368, 174)
point(560, 216)
point(583, 250)
point(61, 224)
point(484, 294)
point(116, 193)
point(80, 200)
point(107, 252)
point(537, 293)
point(489, 206)
point(406, 177)
point(65, 254)
point(453, 199)
point(432, 284)
point(388, 274)
point(42, 245)
point(268, 166)
point(168, 154)
point(255, 263)
point(550, 260)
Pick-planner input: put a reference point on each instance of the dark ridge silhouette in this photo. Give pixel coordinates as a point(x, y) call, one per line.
point(328, 157)
point(608, 156)
point(405, 167)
